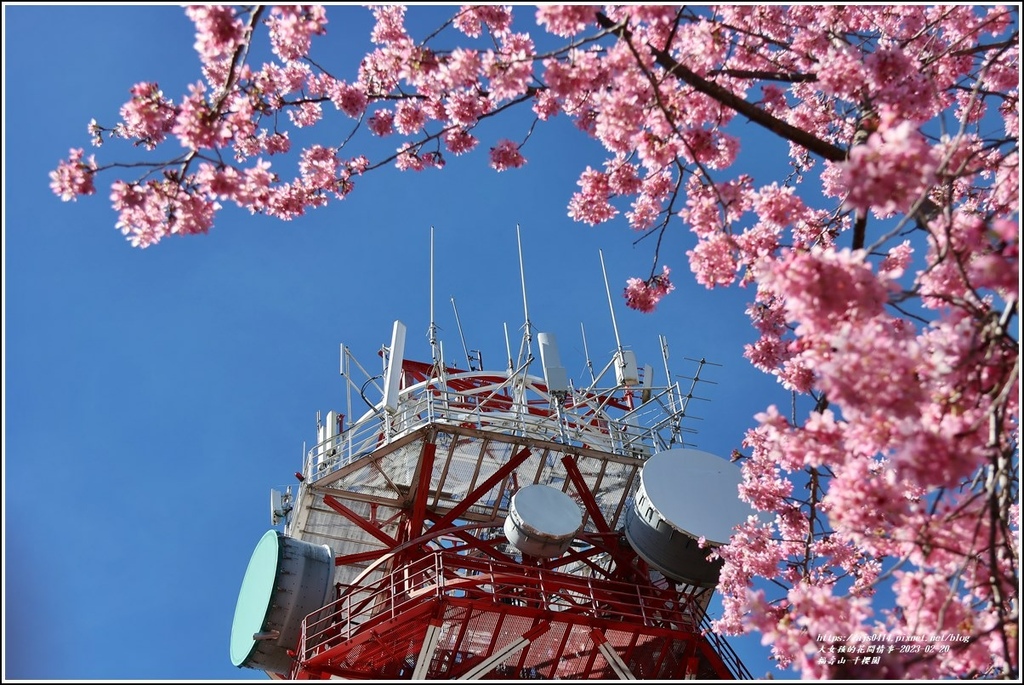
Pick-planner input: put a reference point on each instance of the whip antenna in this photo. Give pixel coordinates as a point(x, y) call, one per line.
point(611, 309)
point(527, 338)
point(432, 330)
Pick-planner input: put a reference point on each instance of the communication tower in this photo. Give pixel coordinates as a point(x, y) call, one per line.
point(496, 524)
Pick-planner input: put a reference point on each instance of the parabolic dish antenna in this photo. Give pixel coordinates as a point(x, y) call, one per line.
point(286, 579)
point(696, 492)
point(542, 521)
point(685, 494)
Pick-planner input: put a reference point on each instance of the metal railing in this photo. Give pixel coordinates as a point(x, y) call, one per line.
point(447, 575)
point(640, 432)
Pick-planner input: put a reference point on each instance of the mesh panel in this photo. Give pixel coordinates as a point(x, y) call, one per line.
point(512, 628)
point(479, 634)
point(544, 657)
point(579, 649)
point(446, 655)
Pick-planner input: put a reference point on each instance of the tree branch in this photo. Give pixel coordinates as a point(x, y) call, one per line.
point(765, 75)
point(791, 133)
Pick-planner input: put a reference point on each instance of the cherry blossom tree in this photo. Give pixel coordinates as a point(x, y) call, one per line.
point(883, 268)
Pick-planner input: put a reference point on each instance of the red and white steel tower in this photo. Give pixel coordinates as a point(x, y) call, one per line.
point(478, 524)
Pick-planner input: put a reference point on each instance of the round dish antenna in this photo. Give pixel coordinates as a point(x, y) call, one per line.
point(685, 494)
point(286, 579)
point(542, 521)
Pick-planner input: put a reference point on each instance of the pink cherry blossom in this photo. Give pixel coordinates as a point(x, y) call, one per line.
point(74, 177)
point(841, 71)
point(292, 28)
point(408, 160)
point(895, 263)
point(889, 172)
point(349, 98)
point(591, 204)
point(219, 32)
point(565, 20)
point(220, 183)
point(896, 79)
point(506, 155)
point(465, 107)
point(149, 213)
point(195, 125)
point(307, 114)
point(382, 122)
point(319, 167)
point(510, 68)
point(459, 141)
point(148, 116)
point(545, 105)
point(645, 295)
point(390, 26)
point(824, 287)
point(409, 117)
point(713, 262)
point(471, 19)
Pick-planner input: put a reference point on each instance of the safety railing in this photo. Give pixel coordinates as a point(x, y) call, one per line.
point(638, 433)
point(446, 575)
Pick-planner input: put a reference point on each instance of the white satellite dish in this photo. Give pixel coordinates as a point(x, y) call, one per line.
point(542, 521)
point(684, 495)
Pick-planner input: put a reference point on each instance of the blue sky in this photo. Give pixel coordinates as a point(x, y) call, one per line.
point(153, 397)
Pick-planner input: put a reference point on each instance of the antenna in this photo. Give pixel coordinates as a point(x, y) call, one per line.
point(432, 330)
point(346, 374)
point(554, 373)
point(586, 353)
point(646, 381)
point(458, 324)
point(694, 380)
point(508, 349)
point(526, 310)
point(668, 374)
point(626, 372)
point(615, 327)
point(393, 372)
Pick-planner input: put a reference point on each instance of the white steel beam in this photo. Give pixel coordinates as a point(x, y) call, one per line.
point(613, 658)
point(426, 652)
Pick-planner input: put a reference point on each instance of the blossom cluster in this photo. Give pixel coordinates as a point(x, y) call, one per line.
point(644, 295)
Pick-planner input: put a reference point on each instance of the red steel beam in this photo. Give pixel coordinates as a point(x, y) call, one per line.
point(583, 491)
point(483, 489)
point(487, 547)
point(359, 521)
point(419, 505)
point(623, 561)
point(359, 557)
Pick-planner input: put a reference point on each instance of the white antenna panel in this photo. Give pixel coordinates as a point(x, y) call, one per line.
point(648, 380)
point(555, 376)
point(626, 371)
point(393, 375)
point(276, 507)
